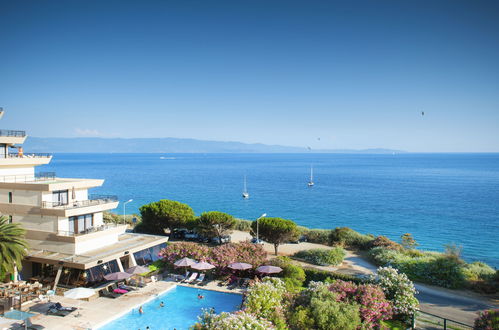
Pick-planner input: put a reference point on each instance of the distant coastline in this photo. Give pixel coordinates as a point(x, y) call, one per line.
point(173, 145)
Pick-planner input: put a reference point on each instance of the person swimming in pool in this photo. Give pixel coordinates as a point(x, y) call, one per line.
point(141, 311)
point(161, 304)
point(200, 296)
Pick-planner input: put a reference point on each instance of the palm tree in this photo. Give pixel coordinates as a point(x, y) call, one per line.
point(13, 247)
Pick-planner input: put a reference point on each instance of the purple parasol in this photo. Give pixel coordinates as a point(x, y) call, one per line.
point(269, 269)
point(202, 265)
point(118, 276)
point(239, 266)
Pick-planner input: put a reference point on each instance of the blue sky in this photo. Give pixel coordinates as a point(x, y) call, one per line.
point(357, 74)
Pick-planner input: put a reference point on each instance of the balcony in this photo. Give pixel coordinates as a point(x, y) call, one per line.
point(12, 133)
point(91, 201)
point(104, 227)
point(25, 158)
point(38, 177)
point(95, 203)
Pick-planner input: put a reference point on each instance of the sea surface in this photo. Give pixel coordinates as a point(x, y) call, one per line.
point(439, 198)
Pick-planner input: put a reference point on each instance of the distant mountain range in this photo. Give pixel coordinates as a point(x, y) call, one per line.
point(167, 145)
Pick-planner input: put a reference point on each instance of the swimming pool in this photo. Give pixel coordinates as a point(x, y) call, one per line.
point(182, 307)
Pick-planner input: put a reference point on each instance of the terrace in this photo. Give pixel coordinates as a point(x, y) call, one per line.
point(91, 201)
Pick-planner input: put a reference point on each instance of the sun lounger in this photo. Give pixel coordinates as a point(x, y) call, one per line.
point(107, 294)
point(56, 312)
point(186, 277)
point(115, 289)
point(191, 278)
point(200, 279)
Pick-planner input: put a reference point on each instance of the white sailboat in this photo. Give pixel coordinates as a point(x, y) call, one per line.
point(245, 191)
point(311, 182)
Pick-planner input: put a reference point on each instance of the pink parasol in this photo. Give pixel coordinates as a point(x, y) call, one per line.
point(118, 276)
point(185, 262)
point(202, 265)
point(269, 269)
point(239, 266)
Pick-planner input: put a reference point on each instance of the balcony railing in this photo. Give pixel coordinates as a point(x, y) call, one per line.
point(91, 201)
point(42, 176)
point(29, 155)
point(87, 231)
point(12, 133)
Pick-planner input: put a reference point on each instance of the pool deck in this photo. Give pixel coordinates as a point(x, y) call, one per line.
point(99, 311)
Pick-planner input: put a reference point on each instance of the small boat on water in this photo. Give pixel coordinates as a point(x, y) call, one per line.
point(311, 182)
point(245, 190)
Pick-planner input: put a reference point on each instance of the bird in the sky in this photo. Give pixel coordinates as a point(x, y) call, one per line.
point(422, 113)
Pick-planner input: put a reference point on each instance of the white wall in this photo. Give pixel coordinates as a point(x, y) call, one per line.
point(81, 194)
point(98, 219)
point(21, 172)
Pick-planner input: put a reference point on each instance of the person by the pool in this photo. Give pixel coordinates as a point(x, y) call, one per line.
point(200, 296)
point(141, 311)
point(161, 304)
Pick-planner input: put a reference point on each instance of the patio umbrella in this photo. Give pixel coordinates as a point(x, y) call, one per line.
point(117, 276)
point(239, 266)
point(185, 262)
point(19, 315)
point(137, 270)
point(202, 265)
point(269, 269)
point(79, 293)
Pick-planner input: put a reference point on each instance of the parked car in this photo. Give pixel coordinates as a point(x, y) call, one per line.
point(191, 236)
point(178, 233)
point(257, 241)
point(225, 239)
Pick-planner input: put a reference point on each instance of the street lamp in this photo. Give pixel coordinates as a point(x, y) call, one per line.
point(124, 210)
point(262, 216)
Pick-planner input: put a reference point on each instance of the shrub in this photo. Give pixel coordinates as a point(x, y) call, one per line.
point(265, 300)
point(398, 289)
point(319, 236)
point(229, 321)
point(315, 275)
point(433, 268)
point(243, 225)
point(220, 256)
point(373, 305)
point(348, 237)
point(385, 242)
point(323, 257)
point(408, 242)
point(487, 320)
point(478, 271)
point(292, 275)
point(321, 306)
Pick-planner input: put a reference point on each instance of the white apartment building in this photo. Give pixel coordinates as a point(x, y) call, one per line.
point(69, 242)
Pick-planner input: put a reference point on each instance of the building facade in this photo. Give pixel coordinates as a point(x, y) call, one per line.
point(70, 244)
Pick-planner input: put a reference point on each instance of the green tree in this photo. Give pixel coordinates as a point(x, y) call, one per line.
point(276, 230)
point(165, 214)
point(13, 247)
point(408, 241)
point(215, 224)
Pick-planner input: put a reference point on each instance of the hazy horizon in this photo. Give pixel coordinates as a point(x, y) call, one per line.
point(329, 75)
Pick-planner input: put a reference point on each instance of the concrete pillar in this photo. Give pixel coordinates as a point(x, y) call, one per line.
point(57, 277)
point(132, 260)
point(120, 265)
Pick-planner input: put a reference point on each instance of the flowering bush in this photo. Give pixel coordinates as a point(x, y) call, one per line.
point(373, 305)
point(220, 256)
point(174, 252)
point(487, 320)
point(319, 308)
point(323, 257)
point(265, 300)
point(398, 289)
point(383, 241)
point(229, 321)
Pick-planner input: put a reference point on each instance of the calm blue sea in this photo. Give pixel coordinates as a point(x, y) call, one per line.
point(439, 198)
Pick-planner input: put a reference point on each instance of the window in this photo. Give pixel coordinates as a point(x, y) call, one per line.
point(10, 219)
point(60, 197)
point(81, 223)
point(10, 196)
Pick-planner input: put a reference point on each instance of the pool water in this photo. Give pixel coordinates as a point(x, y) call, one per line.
point(181, 310)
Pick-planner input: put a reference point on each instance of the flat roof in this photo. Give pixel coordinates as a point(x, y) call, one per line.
point(127, 242)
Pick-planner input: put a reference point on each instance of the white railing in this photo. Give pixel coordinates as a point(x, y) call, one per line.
point(93, 200)
point(44, 176)
point(87, 231)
